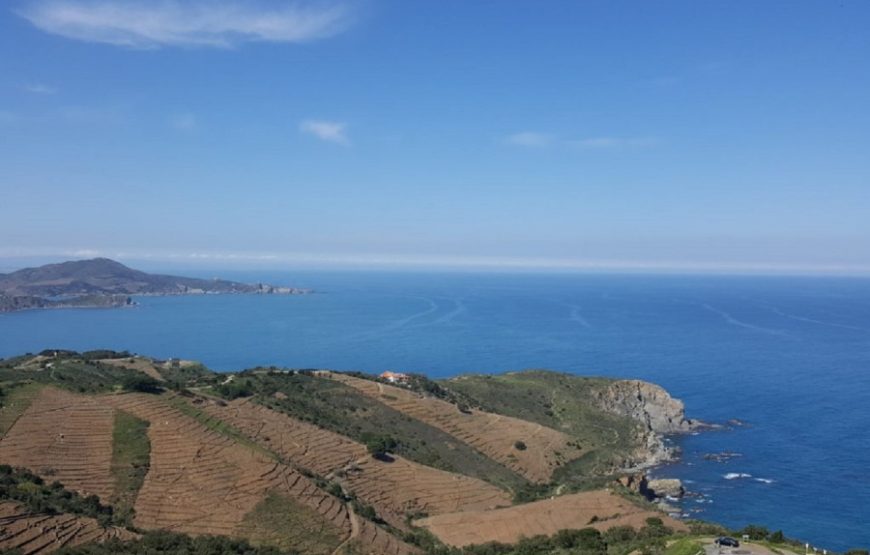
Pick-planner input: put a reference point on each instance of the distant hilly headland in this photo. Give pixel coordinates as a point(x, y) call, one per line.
point(101, 282)
point(108, 452)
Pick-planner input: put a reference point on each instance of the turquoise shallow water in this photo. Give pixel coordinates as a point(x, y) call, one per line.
point(790, 356)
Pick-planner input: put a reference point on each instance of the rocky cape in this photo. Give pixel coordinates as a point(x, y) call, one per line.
point(101, 282)
point(658, 414)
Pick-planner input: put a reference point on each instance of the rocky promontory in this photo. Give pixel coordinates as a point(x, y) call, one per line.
point(649, 404)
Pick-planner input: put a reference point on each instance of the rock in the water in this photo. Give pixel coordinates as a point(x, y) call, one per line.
point(666, 487)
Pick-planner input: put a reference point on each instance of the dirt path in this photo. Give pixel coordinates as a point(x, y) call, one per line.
point(354, 530)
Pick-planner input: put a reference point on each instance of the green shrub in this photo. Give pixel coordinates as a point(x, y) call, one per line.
point(28, 489)
point(379, 446)
point(756, 533)
point(168, 543)
point(140, 383)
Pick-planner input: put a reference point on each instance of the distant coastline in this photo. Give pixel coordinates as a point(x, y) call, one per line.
point(104, 283)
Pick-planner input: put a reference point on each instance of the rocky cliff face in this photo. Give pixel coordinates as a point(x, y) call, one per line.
point(657, 414)
point(648, 404)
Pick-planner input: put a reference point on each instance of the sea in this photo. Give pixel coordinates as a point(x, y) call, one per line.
point(782, 362)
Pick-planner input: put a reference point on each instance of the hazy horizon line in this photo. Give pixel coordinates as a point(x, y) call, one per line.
point(11, 261)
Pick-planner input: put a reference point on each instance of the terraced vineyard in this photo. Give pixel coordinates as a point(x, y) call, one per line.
point(394, 488)
point(532, 450)
point(598, 509)
point(35, 534)
point(64, 437)
point(203, 482)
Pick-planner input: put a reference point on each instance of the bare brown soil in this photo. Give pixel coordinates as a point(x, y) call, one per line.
point(65, 437)
point(35, 534)
point(493, 435)
point(203, 482)
point(393, 488)
point(546, 517)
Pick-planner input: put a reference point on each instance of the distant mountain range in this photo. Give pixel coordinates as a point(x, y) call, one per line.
point(104, 282)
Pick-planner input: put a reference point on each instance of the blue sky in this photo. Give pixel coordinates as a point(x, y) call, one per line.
point(697, 135)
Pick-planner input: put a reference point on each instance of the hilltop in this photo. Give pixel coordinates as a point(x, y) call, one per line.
point(105, 282)
point(108, 452)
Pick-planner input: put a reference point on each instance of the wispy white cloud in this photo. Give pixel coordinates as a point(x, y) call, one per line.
point(183, 122)
point(529, 139)
point(39, 88)
point(214, 23)
point(330, 131)
point(535, 139)
point(613, 142)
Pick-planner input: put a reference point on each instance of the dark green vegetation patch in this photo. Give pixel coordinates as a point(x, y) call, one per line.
point(168, 543)
point(131, 457)
point(28, 489)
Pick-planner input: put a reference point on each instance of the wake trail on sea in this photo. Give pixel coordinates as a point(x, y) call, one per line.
point(576, 316)
point(458, 309)
point(397, 324)
point(814, 321)
point(739, 323)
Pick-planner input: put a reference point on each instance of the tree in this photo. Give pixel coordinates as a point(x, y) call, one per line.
point(519, 445)
point(140, 383)
point(379, 446)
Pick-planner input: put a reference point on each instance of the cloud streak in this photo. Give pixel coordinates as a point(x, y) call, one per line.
point(613, 142)
point(197, 23)
point(39, 88)
point(529, 139)
point(329, 131)
point(536, 139)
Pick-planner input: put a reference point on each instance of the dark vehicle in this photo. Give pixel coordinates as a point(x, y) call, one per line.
point(725, 541)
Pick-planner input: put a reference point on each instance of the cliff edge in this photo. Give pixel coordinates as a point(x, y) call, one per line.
point(649, 404)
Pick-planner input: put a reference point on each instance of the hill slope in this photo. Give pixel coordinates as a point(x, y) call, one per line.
point(320, 462)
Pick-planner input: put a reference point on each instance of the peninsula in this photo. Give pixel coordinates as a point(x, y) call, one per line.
point(101, 282)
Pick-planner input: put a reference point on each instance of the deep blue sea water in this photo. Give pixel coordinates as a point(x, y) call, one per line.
point(789, 356)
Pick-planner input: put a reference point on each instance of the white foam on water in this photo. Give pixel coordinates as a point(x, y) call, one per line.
point(737, 475)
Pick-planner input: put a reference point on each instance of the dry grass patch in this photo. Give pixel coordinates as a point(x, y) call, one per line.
point(15, 400)
point(139, 364)
point(277, 521)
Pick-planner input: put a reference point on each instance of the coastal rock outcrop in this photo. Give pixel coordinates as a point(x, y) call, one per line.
point(665, 487)
point(648, 404)
point(652, 488)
